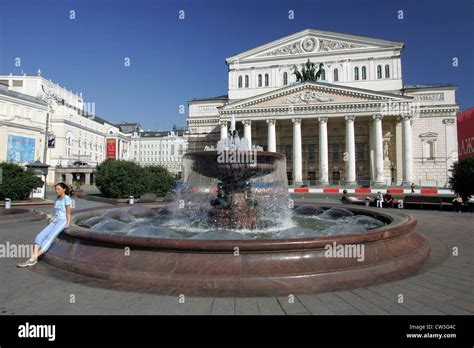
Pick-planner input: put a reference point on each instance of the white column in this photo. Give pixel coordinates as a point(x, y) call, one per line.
point(323, 151)
point(378, 141)
point(248, 132)
point(399, 151)
point(407, 151)
point(297, 152)
point(350, 150)
point(223, 130)
point(271, 136)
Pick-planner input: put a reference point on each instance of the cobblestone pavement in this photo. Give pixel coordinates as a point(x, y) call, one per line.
point(444, 284)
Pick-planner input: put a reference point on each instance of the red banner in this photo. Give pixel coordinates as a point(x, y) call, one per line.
point(111, 148)
point(466, 134)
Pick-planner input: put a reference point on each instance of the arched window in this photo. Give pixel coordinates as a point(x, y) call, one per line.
point(364, 73)
point(285, 78)
point(240, 81)
point(387, 71)
point(267, 81)
point(356, 73)
point(323, 76)
point(172, 147)
point(379, 71)
point(336, 75)
point(246, 81)
point(259, 80)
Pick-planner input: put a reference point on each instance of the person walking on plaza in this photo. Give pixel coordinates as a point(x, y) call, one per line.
point(412, 187)
point(379, 199)
point(457, 203)
point(61, 219)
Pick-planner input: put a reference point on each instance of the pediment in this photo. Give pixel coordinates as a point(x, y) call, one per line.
point(429, 135)
point(313, 42)
point(311, 93)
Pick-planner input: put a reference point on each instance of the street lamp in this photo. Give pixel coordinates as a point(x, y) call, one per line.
point(50, 98)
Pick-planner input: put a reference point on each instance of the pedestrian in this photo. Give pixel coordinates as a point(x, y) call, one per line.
point(470, 203)
point(457, 203)
point(58, 222)
point(388, 199)
point(379, 199)
point(412, 187)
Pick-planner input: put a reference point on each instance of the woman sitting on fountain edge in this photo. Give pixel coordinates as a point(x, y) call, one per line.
point(57, 224)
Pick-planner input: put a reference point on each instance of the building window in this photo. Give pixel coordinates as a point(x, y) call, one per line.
point(259, 80)
point(360, 151)
point(323, 76)
point(336, 75)
point(429, 149)
point(240, 81)
point(379, 71)
point(285, 78)
point(364, 73)
point(288, 152)
point(267, 81)
point(387, 71)
point(246, 81)
point(335, 152)
point(312, 151)
point(356, 73)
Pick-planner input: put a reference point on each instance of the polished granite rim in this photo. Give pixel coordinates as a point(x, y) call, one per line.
point(247, 267)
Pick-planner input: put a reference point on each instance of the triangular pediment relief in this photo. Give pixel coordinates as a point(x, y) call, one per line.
point(311, 93)
point(312, 42)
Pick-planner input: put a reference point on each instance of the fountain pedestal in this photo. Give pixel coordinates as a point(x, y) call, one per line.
point(240, 214)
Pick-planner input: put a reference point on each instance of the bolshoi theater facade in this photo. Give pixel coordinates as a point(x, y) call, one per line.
point(357, 124)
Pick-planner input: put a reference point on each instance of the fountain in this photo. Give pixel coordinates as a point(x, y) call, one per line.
point(232, 229)
point(232, 167)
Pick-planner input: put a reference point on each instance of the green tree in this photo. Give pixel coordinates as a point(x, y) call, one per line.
point(462, 177)
point(17, 183)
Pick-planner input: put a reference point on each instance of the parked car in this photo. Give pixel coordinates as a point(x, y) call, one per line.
point(80, 163)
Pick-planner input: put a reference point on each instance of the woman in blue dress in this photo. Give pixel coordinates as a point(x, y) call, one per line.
point(57, 224)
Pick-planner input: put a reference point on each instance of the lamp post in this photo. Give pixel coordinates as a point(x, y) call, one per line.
point(50, 98)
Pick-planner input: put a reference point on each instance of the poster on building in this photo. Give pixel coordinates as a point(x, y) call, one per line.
point(466, 134)
point(20, 149)
point(111, 148)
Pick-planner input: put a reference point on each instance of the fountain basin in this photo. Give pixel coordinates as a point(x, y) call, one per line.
point(244, 267)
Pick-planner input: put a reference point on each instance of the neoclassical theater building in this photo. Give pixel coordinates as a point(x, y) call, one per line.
point(357, 125)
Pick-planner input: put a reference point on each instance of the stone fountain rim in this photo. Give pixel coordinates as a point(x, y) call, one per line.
point(400, 223)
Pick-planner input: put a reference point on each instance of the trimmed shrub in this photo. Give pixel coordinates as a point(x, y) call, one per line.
point(17, 183)
point(160, 180)
point(120, 179)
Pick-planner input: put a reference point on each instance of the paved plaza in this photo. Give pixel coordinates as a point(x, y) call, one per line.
point(444, 284)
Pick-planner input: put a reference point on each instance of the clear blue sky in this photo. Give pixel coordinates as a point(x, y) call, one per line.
point(174, 61)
